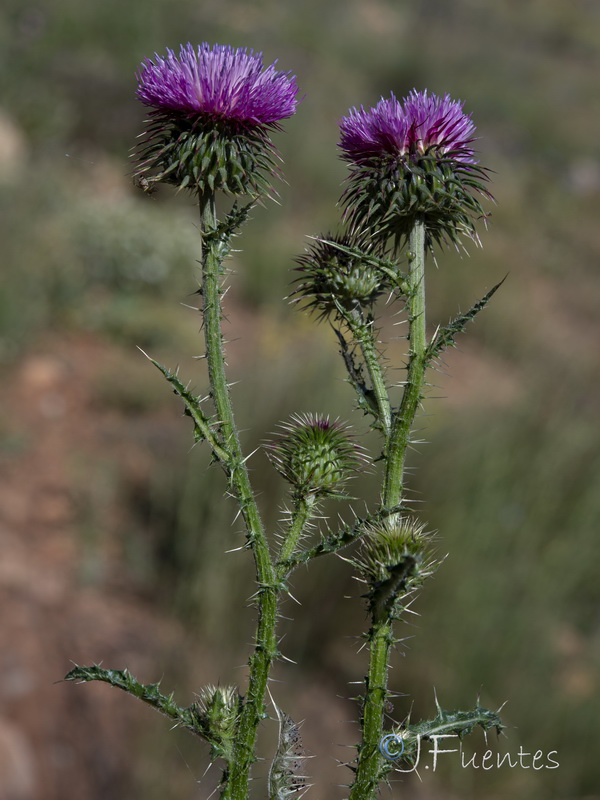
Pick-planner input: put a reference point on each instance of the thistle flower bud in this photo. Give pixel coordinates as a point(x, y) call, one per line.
point(332, 277)
point(412, 160)
point(212, 111)
point(217, 710)
point(394, 560)
point(316, 455)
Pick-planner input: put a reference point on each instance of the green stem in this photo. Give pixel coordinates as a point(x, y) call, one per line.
point(265, 651)
point(370, 763)
point(369, 770)
point(404, 418)
point(303, 510)
point(336, 541)
point(363, 333)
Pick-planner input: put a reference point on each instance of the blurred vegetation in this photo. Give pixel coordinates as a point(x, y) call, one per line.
point(511, 477)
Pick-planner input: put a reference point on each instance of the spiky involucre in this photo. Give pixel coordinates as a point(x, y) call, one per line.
point(394, 560)
point(217, 711)
point(213, 108)
point(331, 278)
point(409, 160)
point(315, 454)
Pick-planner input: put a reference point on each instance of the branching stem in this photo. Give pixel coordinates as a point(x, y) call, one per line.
point(370, 762)
point(265, 651)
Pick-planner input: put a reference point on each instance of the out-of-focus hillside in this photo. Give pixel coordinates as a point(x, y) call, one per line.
point(113, 531)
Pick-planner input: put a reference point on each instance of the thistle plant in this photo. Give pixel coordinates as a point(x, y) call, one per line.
point(414, 185)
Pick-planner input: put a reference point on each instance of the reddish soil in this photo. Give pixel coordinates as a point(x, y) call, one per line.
point(60, 740)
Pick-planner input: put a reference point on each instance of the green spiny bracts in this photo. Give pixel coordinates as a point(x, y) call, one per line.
point(445, 723)
point(213, 108)
point(205, 154)
point(316, 455)
point(217, 711)
point(412, 161)
point(286, 778)
point(339, 273)
point(394, 560)
point(389, 194)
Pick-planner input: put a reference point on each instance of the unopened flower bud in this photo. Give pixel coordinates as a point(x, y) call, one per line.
point(217, 711)
point(314, 454)
point(332, 278)
point(394, 559)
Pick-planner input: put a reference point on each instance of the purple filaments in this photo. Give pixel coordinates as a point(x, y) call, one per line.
point(419, 124)
point(219, 81)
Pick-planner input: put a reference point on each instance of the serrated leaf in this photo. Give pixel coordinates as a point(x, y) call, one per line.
point(202, 424)
point(445, 336)
point(458, 723)
point(148, 693)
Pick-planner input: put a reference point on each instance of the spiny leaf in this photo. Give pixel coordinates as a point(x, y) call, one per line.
point(202, 425)
point(220, 237)
point(459, 723)
point(333, 541)
point(285, 774)
point(148, 693)
point(366, 397)
point(445, 335)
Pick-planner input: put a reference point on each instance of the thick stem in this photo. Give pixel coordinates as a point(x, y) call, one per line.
point(404, 418)
point(369, 770)
point(265, 651)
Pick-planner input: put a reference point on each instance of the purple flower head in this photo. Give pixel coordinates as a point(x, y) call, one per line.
point(420, 124)
point(218, 81)
point(412, 160)
point(213, 108)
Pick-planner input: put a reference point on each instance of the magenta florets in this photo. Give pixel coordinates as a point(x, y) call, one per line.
point(219, 81)
point(212, 110)
point(412, 160)
point(419, 124)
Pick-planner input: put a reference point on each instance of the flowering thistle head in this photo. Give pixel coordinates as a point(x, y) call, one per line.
point(315, 454)
point(412, 159)
point(335, 277)
point(394, 559)
point(212, 111)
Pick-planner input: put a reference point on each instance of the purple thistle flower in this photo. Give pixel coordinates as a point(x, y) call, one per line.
point(213, 108)
point(412, 160)
point(218, 81)
point(422, 123)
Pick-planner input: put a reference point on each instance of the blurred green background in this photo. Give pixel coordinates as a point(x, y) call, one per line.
point(113, 530)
